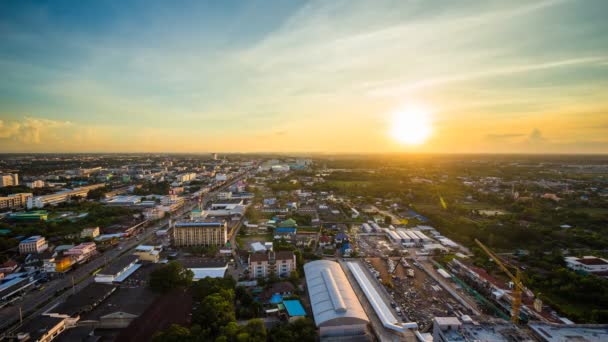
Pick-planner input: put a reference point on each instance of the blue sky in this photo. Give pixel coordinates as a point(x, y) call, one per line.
point(320, 76)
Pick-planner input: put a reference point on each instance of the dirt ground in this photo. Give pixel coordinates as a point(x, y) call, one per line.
point(420, 298)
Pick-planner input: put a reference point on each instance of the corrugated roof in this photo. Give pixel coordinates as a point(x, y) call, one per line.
point(332, 298)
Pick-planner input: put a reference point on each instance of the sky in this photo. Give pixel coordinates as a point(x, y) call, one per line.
point(303, 76)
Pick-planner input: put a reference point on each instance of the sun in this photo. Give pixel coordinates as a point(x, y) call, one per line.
point(411, 125)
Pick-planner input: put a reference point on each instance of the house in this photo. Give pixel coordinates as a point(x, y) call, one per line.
point(324, 240)
point(262, 265)
point(287, 233)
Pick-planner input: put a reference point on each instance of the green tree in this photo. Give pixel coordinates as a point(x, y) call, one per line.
point(175, 333)
point(170, 276)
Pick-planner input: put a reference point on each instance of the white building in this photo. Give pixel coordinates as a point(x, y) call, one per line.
point(34, 244)
point(589, 264)
point(91, 232)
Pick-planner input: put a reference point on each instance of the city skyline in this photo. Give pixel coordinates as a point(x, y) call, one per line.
point(328, 77)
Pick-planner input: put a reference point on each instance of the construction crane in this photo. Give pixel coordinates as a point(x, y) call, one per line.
point(518, 286)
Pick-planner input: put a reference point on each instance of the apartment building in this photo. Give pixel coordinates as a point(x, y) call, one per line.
point(34, 244)
point(9, 179)
point(200, 233)
point(262, 265)
point(15, 201)
point(81, 252)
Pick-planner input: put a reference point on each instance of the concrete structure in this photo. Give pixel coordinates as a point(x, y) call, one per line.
point(453, 329)
point(336, 309)
point(588, 264)
point(34, 244)
point(281, 263)
point(9, 179)
point(91, 232)
point(200, 233)
point(61, 196)
point(547, 332)
point(186, 177)
point(15, 201)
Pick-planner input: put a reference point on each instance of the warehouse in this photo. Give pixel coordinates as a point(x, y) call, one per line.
point(336, 309)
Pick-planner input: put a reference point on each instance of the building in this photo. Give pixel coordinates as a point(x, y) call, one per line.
point(587, 264)
point(262, 265)
point(294, 309)
point(36, 215)
point(35, 184)
point(186, 177)
point(81, 252)
point(91, 232)
point(203, 268)
point(33, 245)
point(549, 332)
point(148, 253)
point(15, 201)
point(336, 309)
point(119, 270)
point(41, 329)
point(9, 179)
point(200, 233)
point(82, 301)
point(465, 329)
point(61, 196)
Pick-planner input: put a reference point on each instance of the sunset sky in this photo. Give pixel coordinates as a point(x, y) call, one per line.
point(290, 76)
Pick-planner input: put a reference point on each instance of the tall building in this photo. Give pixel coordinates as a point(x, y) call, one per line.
point(14, 201)
point(200, 233)
point(281, 263)
point(9, 179)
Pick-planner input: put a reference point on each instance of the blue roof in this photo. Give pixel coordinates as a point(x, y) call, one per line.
point(294, 308)
point(276, 299)
point(286, 230)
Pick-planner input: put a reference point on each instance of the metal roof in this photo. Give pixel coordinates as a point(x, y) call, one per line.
point(332, 298)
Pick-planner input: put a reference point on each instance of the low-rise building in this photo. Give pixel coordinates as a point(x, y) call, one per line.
point(41, 329)
point(119, 270)
point(34, 244)
point(81, 252)
point(148, 253)
point(91, 232)
point(588, 264)
point(9, 179)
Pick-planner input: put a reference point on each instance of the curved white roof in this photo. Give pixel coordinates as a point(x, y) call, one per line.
point(332, 298)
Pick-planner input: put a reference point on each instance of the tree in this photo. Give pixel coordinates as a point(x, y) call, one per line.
point(301, 330)
point(170, 276)
point(387, 220)
point(255, 330)
point(175, 333)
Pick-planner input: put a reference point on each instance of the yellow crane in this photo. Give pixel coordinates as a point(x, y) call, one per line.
point(518, 286)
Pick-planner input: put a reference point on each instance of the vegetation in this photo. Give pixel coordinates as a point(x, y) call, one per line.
point(170, 276)
point(152, 188)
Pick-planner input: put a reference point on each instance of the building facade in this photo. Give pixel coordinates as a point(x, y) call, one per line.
point(15, 201)
point(200, 233)
point(262, 265)
point(91, 232)
point(34, 244)
point(9, 179)
point(588, 264)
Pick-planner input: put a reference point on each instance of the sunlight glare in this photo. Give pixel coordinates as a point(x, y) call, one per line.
point(411, 126)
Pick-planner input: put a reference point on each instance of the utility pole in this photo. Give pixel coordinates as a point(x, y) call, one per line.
point(20, 316)
point(73, 286)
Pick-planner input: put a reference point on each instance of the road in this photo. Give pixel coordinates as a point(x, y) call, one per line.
point(36, 302)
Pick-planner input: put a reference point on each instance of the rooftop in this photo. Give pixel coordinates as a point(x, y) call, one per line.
point(85, 299)
point(294, 308)
point(570, 332)
point(36, 328)
point(119, 265)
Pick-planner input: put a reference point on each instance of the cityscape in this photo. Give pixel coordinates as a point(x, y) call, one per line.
point(267, 171)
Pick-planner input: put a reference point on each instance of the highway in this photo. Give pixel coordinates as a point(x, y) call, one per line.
point(36, 302)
